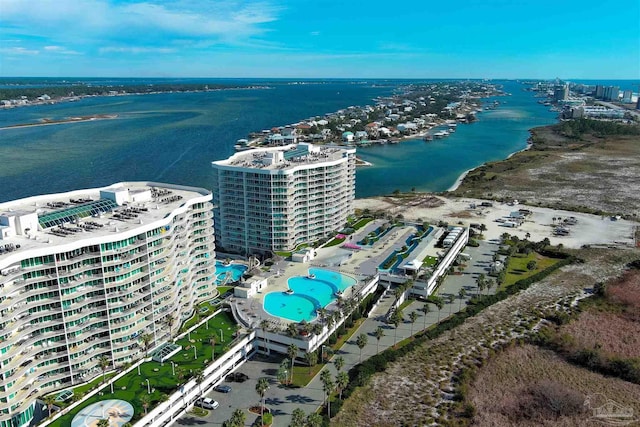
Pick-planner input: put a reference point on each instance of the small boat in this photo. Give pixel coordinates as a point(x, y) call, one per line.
point(428, 137)
point(441, 134)
point(311, 276)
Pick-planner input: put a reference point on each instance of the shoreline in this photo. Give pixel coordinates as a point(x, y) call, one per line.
point(464, 174)
point(54, 101)
point(62, 121)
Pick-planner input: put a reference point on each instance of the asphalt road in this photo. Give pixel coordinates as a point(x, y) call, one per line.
point(282, 400)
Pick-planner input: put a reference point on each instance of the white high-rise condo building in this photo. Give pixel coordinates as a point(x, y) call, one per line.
point(273, 199)
point(86, 274)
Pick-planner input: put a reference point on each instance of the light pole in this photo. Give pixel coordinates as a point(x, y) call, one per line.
point(111, 387)
point(221, 337)
point(138, 368)
point(189, 334)
point(148, 386)
point(173, 368)
point(322, 351)
point(195, 354)
point(207, 323)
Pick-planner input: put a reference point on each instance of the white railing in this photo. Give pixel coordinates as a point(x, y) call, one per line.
point(167, 412)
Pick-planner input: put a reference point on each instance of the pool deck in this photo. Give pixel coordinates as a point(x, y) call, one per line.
point(358, 264)
point(252, 309)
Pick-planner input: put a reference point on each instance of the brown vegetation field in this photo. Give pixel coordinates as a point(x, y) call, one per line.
point(420, 388)
point(591, 173)
point(530, 386)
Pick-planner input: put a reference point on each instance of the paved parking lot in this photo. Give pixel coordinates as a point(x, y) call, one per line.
point(282, 401)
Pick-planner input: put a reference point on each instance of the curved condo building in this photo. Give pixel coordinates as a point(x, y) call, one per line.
point(85, 274)
point(273, 199)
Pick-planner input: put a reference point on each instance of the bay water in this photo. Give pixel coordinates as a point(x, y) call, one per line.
point(173, 137)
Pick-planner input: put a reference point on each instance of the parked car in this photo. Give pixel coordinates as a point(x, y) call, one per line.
point(240, 377)
point(222, 388)
point(237, 376)
point(206, 403)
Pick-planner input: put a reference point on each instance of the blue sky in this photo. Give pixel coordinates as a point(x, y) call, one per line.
point(321, 38)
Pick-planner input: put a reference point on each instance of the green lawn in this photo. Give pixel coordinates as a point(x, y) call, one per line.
point(334, 242)
point(160, 376)
point(517, 267)
point(361, 223)
point(223, 289)
point(430, 261)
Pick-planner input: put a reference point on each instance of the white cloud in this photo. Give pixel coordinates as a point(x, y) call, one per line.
point(19, 51)
point(136, 49)
point(61, 50)
point(147, 20)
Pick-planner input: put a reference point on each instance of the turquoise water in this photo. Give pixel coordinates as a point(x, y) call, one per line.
point(168, 137)
point(174, 137)
point(309, 294)
point(436, 165)
point(237, 270)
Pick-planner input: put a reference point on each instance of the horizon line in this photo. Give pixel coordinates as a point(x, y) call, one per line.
point(316, 78)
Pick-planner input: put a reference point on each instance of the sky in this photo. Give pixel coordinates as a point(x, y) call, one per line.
point(569, 39)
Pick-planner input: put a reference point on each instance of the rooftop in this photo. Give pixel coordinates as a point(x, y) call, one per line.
point(96, 214)
point(285, 157)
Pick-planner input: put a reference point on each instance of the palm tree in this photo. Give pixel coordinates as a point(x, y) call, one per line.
point(298, 418)
point(292, 352)
point(327, 386)
point(396, 319)
point(425, 310)
point(103, 422)
point(238, 417)
point(440, 305)
point(490, 284)
point(181, 374)
point(361, 342)
point(413, 316)
point(450, 300)
point(103, 362)
point(145, 401)
point(292, 330)
point(481, 281)
point(261, 388)
point(199, 376)
point(342, 381)
point(282, 371)
point(322, 312)
point(264, 324)
point(331, 320)
point(49, 400)
point(314, 420)
point(146, 341)
point(461, 294)
point(169, 321)
point(379, 333)
point(212, 341)
point(317, 329)
point(311, 357)
point(338, 363)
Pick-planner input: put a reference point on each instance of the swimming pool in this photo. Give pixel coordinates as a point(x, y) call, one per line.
point(228, 273)
point(314, 291)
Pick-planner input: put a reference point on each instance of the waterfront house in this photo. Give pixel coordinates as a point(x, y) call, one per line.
point(347, 136)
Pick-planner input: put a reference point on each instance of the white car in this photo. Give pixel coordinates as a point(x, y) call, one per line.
point(206, 403)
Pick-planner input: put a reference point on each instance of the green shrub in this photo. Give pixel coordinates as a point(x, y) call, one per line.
point(268, 419)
